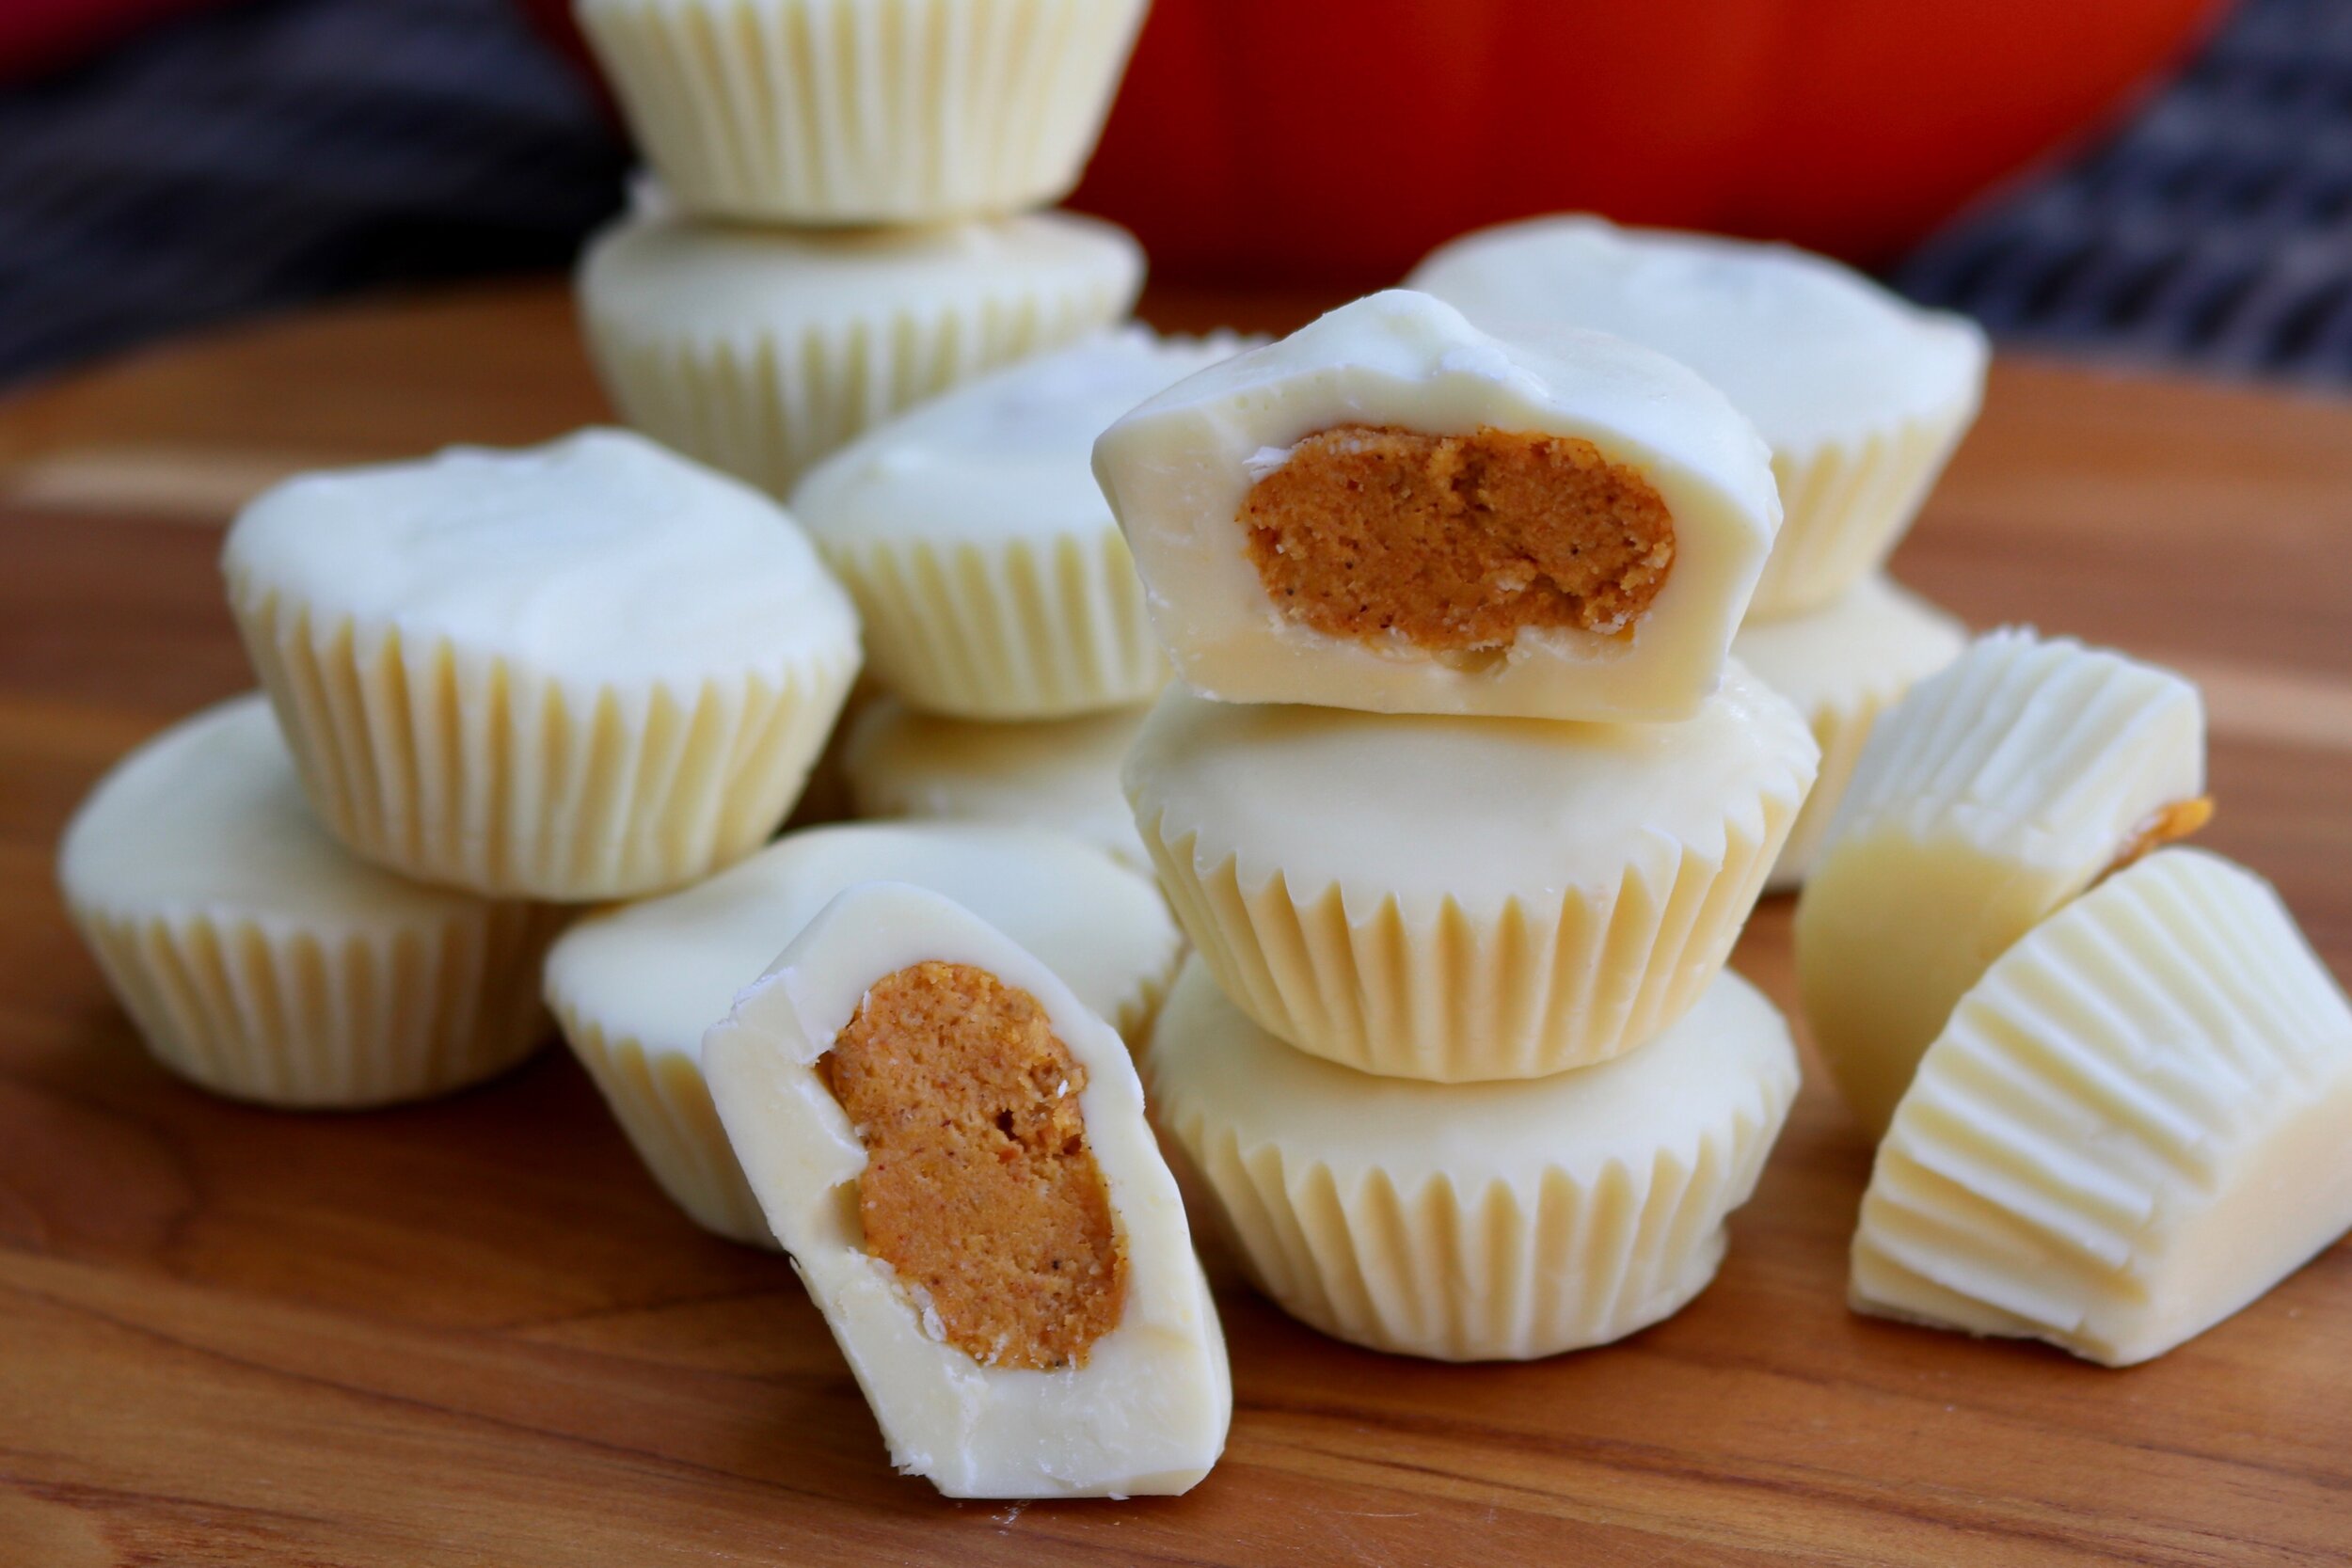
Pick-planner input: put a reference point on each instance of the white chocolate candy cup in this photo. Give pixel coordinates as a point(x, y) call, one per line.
point(760, 352)
point(1992, 794)
point(635, 988)
point(1476, 1222)
point(897, 111)
point(260, 960)
point(1842, 666)
point(1060, 774)
point(1179, 468)
point(578, 671)
point(1456, 899)
point(1147, 1411)
point(1861, 395)
point(2132, 1127)
point(1007, 631)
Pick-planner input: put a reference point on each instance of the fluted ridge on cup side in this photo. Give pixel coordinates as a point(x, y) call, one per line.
point(1845, 508)
point(1498, 1271)
point(2084, 1109)
point(865, 111)
point(1018, 629)
point(290, 1015)
point(765, 408)
point(1518, 992)
point(475, 772)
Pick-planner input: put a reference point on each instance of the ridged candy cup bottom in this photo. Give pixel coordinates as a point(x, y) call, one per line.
point(883, 111)
point(261, 961)
point(1847, 506)
point(472, 771)
point(1475, 1222)
point(1560, 947)
point(2132, 1125)
point(1013, 628)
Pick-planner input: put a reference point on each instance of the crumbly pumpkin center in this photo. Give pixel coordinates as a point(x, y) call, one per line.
point(1453, 542)
point(2165, 825)
point(979, 1190)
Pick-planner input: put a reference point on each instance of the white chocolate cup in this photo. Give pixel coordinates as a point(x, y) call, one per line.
point(1475, 1222)
point(1147, 1411)
point(2132, 1127)
point(1178, 470)
point(262, 961)
point(635, 988)
point(1994, 793)
point(799, 112)
point(1461, 899)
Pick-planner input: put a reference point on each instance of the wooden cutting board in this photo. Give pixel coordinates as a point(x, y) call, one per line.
point(475, 1332)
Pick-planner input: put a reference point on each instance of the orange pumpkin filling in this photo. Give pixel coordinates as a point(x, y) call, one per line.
point(980, 1189)
point(1453, 542)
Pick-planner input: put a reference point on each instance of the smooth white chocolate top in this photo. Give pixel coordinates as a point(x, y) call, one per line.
point(662, 971)
point(1872, 642)
point(1058, 773)
point(1812, 352)
point(1009, 455)
point(208, 818)
point(1479, 811)
point(599, 557)
point(1728, 1056)
point(665, 275)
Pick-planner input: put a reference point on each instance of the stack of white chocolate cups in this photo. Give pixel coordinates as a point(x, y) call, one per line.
point(846, 218)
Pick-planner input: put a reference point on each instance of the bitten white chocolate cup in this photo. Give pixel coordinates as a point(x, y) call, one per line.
point(759, 350)
point(1861, 395)
point(1456, 899)
point(1060, 774)
point(1994, 792)
point(990, 575)
point(1842, 666)
point(586, 670)
point(1180, 470)
point(1147, 1411)
point(1475, 1222)
point(884, 112)
point(634, 988)
point(2132, 1127)
point(262, 961)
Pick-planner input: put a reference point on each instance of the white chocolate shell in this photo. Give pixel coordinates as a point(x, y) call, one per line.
point(1177, 469)
point(635, 988)
point(1147, 1411)
point(260, 960)
point(1059, 773)
point(812, 112)
point(1481, 1221)
point(1842, 666)
point(586, 670)
point(1861, 395)
point(759, 350)
point(1994, 792)
point(1458, 899)
point(990, 575)
point(2132, 1125)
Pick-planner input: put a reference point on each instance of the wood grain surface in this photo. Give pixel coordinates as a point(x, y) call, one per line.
point(474, 1333)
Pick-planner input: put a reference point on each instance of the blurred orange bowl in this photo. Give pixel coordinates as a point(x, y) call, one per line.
point(1305, 139)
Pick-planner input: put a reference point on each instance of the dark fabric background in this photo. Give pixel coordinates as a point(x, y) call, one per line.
point(282, 150)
